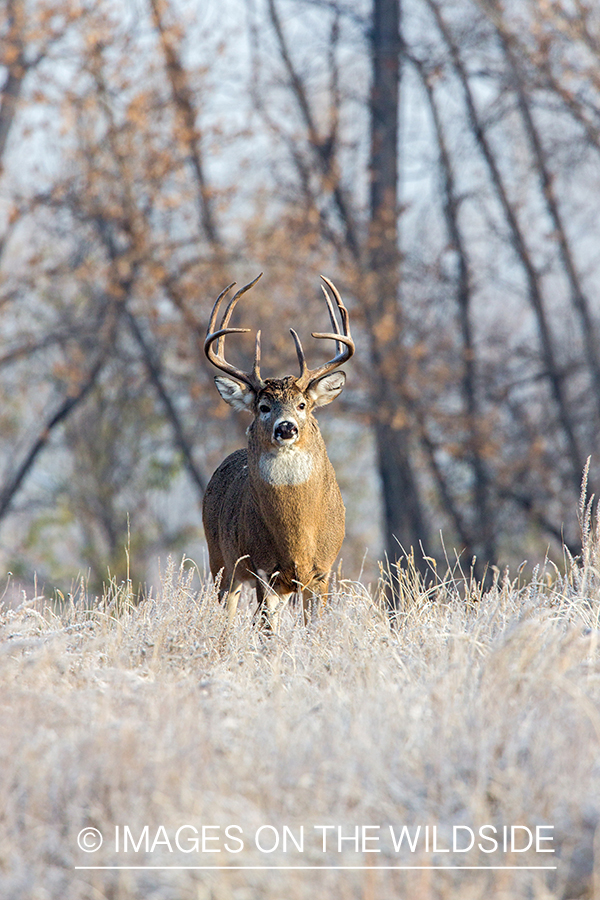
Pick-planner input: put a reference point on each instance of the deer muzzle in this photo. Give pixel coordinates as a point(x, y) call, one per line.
point(285, 431)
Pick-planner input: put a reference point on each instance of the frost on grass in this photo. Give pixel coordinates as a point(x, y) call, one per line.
point(469, 708)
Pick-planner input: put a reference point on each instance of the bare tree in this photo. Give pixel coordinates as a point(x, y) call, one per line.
point(114, 250)
point(514, 445)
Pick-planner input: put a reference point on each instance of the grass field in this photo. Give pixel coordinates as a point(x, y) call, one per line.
point(183, 746)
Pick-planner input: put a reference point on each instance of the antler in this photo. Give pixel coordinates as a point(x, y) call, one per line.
point(344, 345)
point(252, 379)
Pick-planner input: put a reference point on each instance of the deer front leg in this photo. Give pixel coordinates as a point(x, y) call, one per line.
point(231, 588)
point(309, 604)
point(312, 597)
point(270, 603)
point(311, 600)
point(233, 595)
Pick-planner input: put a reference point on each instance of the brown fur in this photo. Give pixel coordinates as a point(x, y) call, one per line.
point(283, 537)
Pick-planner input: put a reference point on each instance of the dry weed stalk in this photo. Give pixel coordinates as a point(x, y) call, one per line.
point(472, 707)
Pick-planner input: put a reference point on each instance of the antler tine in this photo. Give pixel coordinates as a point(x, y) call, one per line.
point(215, 310)
point(252, 379)
point(256, 366)
point(334, 321)
point(300, 355)
point(344, 343)
point(233, 302)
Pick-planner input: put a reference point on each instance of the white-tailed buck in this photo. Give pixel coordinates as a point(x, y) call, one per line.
point(273, 513)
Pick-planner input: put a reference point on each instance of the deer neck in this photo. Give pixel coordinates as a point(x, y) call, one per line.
point(291, 486)
point(294, 466)
point(286, 467)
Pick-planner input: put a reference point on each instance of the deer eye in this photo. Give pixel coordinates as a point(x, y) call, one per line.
point(264, 408)
point(302, 405)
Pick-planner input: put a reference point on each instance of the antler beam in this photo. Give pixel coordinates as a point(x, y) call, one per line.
point(252, 379)
point(343, 339)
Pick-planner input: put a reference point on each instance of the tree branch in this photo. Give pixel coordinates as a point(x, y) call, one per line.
point(182, 98)
point(519, 244)
point(63, 412)
point(154, 370)
point(322, 148)
point(451, 204)
point(578, 297)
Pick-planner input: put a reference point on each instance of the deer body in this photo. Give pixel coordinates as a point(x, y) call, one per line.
point(273, 513)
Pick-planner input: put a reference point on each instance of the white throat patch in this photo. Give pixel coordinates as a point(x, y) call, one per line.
point(287, 466)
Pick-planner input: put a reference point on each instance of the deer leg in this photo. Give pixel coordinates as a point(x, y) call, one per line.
point(311, 598)
point(230, 597)
point(270, 603)
point(233, 595)
point(231, 588)
point(307, 604)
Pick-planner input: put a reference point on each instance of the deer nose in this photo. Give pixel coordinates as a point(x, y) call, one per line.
point(285, 431)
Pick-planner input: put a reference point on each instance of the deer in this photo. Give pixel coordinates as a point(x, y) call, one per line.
point(273, 513)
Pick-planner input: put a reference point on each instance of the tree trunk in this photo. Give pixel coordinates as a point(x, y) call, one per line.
point(405, 526)
point(404, 522)
point(479, 539)
point(11, 89)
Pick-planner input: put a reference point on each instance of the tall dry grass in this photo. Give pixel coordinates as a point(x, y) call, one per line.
point(472, 708)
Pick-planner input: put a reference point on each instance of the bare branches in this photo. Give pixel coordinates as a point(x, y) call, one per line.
point(322, 147)
point(519, 243)
point(15, 61)
point(482, 534)
point(579, 299)
point(74, 397)
point(153, 366)
point(461, 229)
point(182, 98)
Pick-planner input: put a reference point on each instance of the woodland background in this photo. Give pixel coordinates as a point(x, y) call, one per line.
point(438, 160)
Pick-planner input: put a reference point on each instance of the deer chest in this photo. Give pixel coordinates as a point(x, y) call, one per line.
point(286, 467)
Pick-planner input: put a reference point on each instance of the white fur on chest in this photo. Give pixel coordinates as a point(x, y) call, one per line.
point(285, 467)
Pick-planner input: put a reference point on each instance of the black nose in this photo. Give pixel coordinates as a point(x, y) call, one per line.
point(286, 430)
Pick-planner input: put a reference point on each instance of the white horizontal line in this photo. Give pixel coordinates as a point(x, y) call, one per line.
point(312, 868)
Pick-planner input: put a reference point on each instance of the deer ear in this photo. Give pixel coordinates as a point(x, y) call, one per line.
point(323, 390)
point(238, 395)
